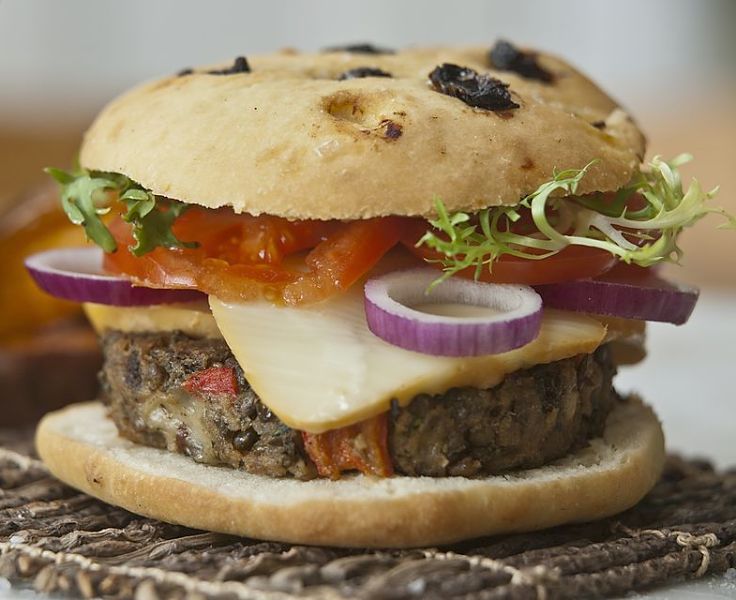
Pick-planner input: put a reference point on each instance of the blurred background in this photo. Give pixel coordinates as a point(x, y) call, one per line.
point(671, 62)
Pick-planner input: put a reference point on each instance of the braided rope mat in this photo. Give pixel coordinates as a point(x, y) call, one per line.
point(66, 542)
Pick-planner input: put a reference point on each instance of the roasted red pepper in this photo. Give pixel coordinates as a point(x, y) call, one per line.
point(215, 380)
point(362, 447)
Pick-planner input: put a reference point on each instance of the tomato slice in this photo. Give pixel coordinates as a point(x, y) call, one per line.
point(573, 262)
point(343, 258)
point(240, 257)
point(241, 238)
point(159, 268)
point(569, 264)
point(194, 268)
point(623, 272)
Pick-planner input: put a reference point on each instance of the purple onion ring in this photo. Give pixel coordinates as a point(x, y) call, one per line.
point(76, 274)
point(648, 298)
point(388, 307)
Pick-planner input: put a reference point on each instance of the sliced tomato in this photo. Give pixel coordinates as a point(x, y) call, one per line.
point(194, 268)
point(343, 258)
point(160, 268)
point(239, 261)
point(573, 262)
point(615, 205)
point(241, 257)
point(623, 272)
point(569, 264)
point(247, 239)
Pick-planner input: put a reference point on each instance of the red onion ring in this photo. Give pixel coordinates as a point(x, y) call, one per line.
point(388, 301)
point(644, 297)
point(76, 274)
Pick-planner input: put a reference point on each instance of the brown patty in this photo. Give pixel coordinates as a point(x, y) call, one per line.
point(533, 417)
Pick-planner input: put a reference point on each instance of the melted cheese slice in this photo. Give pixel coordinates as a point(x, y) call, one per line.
point(319, 367)
point(193, 319)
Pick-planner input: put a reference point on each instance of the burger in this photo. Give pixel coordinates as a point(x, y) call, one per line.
point(368, 298)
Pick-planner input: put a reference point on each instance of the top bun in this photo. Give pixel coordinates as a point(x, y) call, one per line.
point(290, 139)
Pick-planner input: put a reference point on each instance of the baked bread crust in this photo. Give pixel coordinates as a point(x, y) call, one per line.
point(289, 139)
point(81, 447)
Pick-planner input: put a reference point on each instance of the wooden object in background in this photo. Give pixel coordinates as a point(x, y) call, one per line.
point(47, 370)
point(48, 353)
point(33, 222)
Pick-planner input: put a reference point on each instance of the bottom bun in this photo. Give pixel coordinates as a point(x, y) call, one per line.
point(81, 447)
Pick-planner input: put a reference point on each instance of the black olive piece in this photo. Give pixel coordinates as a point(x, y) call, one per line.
point(240, 65)
point(473, 88)
point(245, 440)
point(360, 49)
point(360, 72)
point(507, 57)
point(599, 124)
point(393, 130)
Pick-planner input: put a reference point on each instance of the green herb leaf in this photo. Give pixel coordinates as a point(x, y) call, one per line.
point(564, 219)
point(152, 228)
point(87, 195)
point(84, 198)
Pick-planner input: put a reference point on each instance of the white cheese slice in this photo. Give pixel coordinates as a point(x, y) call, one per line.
point(319, 367)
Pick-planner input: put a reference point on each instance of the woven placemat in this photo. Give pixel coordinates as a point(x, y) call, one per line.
point(65, 542)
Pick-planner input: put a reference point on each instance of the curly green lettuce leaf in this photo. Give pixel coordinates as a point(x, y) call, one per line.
point(88, 195)
point(558, 219)
point(85, 199)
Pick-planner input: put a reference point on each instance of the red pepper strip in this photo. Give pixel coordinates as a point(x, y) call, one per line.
point(362, 447)
point(215, 380)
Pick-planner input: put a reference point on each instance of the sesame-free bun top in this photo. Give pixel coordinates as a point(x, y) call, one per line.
point(290, 139)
